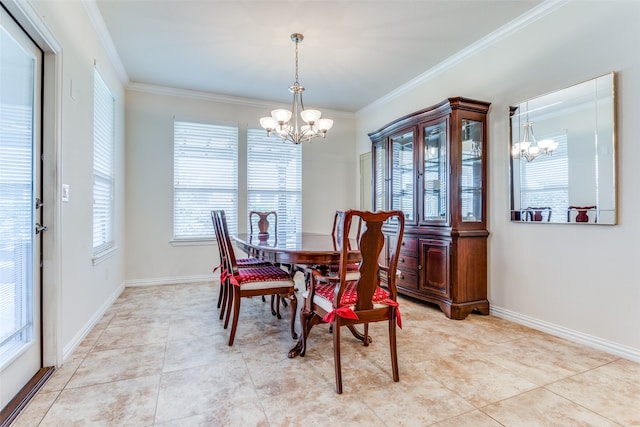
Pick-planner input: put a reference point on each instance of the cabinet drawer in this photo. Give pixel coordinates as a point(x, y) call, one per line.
point(406, 262)
point(405, 279)
point(409, 245)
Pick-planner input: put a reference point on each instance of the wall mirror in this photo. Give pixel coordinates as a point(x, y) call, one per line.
point(563, 155)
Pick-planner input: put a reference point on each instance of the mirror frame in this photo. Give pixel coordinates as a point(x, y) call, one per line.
point(594, 201)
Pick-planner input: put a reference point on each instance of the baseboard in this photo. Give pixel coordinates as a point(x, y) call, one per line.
point(173, 280)
point(68, 350)
point(570, 334)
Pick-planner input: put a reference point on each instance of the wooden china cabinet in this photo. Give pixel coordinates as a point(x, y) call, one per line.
point(432, 165)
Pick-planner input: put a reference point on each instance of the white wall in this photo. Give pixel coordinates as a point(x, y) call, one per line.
point(84, 290)
point(329, 170)
point(573, 280)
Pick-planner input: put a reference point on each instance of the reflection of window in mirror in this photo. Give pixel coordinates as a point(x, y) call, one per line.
point(562, 155)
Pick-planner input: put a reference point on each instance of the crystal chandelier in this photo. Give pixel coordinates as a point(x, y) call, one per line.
point(529, 148)
point(287, 123)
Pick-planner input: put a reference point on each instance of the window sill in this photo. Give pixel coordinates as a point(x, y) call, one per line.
point(102, 256)
point(192, 242)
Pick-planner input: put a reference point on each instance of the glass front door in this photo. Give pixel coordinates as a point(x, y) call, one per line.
point(20, 147)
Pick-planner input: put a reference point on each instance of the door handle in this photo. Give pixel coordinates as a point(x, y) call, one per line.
point(40, 228)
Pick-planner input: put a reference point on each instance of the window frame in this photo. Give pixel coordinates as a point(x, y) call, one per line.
point(282, 186)
point(103, 217)
point(205, 168)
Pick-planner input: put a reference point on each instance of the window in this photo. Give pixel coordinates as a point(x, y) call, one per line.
point(205, 173)
point(103, 166)
point(274, 179)
point(547, 180)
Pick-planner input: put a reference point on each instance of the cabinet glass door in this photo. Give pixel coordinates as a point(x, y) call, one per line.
point(471, 171)
point(380, 178)
point(403, 178)
point(436, 173)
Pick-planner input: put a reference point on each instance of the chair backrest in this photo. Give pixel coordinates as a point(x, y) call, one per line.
point(371, 242)
point(230, 262)
point(216, 227)
point(336, 230)
point(261, 220)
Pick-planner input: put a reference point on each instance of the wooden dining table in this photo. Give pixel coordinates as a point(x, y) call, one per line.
point(296, 249)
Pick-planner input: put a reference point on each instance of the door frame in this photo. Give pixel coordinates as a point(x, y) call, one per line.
point(34, 26)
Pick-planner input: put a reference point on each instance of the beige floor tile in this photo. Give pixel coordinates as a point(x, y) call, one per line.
point(470, 419)
point(208, 350)
point(159, 356)
point(417, 400)
point(119, 364)
point(602, 391)
point(477, 380)
point(195, 391)
point(128, 402)
point(126, 336)
point(543, 359)
point(36, 410)
point(63, 374)
point(248, 414)
point(543, 408)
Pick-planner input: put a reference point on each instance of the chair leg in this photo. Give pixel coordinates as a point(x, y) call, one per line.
point(392, 346)
point(273, 308)
point(294, 308)
point(236, 313)
point(225, 298)
point(366, 339)
point(230, 293)
point(307, 321)
point(336, 355)
point(221, 292)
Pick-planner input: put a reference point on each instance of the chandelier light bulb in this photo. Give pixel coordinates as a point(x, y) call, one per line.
point(310, 116)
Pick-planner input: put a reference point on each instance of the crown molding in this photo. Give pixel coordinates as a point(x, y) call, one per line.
point(512, 27)
point(213, 97)
point(100, 27)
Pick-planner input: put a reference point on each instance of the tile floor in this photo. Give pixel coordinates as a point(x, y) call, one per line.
point(159, 357)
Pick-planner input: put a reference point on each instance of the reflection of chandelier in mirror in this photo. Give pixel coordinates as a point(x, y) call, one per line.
point(285, 122)
point(529, 148)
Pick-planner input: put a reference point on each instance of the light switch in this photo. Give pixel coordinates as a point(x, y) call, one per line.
point(65, 192)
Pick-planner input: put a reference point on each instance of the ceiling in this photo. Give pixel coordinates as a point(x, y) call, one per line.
point(353, 53)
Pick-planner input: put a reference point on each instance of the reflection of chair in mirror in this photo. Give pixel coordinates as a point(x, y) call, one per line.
point(262, 223)
point(581, 214)
point(537, 214)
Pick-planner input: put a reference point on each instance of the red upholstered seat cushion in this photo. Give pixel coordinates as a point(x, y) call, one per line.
point(350, 295)
point(260, 274)
point(251, 262)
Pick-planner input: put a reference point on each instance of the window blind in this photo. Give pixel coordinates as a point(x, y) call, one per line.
point(103, 165)
point(205, 171)
point(274, 179)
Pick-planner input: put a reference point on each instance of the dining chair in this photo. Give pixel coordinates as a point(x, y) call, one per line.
point(242, 263)
point(252, 281)
point(361, 301)
point(261, 220)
